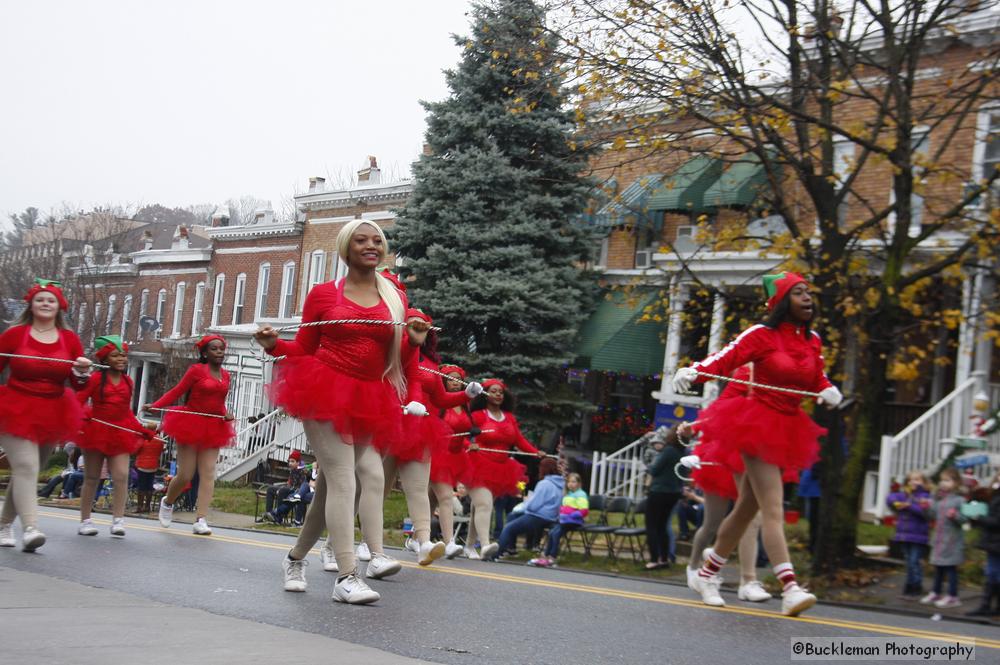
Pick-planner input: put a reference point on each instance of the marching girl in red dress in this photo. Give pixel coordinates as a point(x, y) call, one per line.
point(110, 395)
point(37, 410)
point(347, 384)
point(768, 428)
point(450, 463)
point(493, 474)
point(206, 385)
point(410, 456)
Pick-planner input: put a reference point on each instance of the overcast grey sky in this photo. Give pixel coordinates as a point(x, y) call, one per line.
point(185, 102)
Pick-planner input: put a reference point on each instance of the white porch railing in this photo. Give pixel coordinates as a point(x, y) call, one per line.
point(241, 459)
point(922, 444)
point(619, 473)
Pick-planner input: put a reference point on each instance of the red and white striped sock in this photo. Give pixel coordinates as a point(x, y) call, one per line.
point(712, 565)
point(786, 575)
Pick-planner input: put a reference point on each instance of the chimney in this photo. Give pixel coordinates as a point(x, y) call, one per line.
point(181, 237)
point(370, 175)
point(427, 149)
point(263, 216)
point(147, 240)
point(220, 217)
point(317, 184)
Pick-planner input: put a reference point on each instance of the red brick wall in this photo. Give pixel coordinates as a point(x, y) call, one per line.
point(231, 265)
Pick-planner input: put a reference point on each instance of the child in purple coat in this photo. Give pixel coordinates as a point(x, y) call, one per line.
point(912, 508)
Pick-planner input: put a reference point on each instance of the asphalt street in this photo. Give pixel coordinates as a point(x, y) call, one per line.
point(451, 612)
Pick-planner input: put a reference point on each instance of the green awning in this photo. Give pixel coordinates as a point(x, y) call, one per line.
point(684, 191)
point(614, 339)
point(631, 206)
point(738, 186)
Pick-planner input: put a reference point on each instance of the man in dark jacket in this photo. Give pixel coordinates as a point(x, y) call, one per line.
point(989, 540)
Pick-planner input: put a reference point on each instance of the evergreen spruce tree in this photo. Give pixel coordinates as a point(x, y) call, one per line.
point(488, 236)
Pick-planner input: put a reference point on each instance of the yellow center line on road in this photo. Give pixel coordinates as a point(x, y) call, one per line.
point(613, 593)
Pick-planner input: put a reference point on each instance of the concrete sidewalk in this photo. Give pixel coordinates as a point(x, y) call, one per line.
point(45, 620)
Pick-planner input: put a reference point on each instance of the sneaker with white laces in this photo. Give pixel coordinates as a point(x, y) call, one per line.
point(363, 553)
point(429, 552)
point(32, 539)
point(7, 535)
point(329, 560)
point(452, 550)
point(930, 599)
point(708, 587)
point(166, 513)
point(471, 553)
point(541, 562)
point(118, 527)
point(352, 589)
point(796, 600)
point(201, 528)
point(86, 528)
point(382, 566)
point(295, 573)
point(948, 602)
point(753, 592)
point(691, 574)
point(489, 551)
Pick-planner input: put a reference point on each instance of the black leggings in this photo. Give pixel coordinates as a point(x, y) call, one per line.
point(659, 505)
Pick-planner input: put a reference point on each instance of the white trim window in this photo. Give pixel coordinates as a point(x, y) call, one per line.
point(287, 290)
point(97, 329)
point(239, 297)
point(920, 142)
point(81, 320)
point(143, 310)
point(317, 265)
point(263, 285)
point(338, 268)
point(199, 304)
point(126, 316)
point(178, 309)
point(986, 152)
point(220, 291)
point(843, 163)
point(161, 309)
point(112, 310)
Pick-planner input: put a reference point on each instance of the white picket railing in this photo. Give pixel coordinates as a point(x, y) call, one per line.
point(242, 460)
point(619, 473)
point(923, 443)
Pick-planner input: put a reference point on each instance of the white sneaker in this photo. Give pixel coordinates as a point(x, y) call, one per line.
point(753, 592)
point(295, 573)
point(166, 513)
point(201, 527)
point(948, 602)
point(489, 551)
point(352, 589)
point(411, 545)
point(329, 560)
point(363, 553)
point(796, 600)
point(7, 535)
point(429, 552)
point(471, 553)
point(708, 587)
point(86, 528)
point(930, 598)
point(32, 539)
point(691, 574)
point(452, 550)
point(118, 526)
point(382, 566)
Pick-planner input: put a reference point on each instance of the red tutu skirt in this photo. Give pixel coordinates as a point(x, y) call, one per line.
point(109, 440)
point(746, 426)
point(359, 410)
point(717, 480)
point(199, 432)
point(422, 436)
point(41, 420)
point(449, 467)
point(500, 477)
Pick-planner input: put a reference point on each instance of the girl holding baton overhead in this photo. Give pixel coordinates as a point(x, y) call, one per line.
point(37, 410)
point(200, 428)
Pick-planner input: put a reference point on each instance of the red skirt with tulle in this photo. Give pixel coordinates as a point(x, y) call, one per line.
point(745, 426)
point(448, 467)
point(422, 437)
point(42, 420)
point(499, 476)
point(360, 411)
point(201, 432)
point(109, 440)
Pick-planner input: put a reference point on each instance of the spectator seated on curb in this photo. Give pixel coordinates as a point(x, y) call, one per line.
point(278, 492)
point(540, 510)
point(73, 457)
point(572, 515)
point(298, 501)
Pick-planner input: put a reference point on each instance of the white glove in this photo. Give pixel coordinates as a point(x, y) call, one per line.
point(830, 396)
point(415, 409)
point(691, 461)
point(473, 389)
point(683, 379)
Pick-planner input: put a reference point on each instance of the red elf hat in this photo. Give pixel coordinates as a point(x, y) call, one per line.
point(777, 286)
point(49, 286)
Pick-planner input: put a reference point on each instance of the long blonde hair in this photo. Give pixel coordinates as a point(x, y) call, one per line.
point(390, 295)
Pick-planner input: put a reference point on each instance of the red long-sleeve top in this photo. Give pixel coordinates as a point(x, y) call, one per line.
point(788, 356)
point(458, 421)
point(115, 406)
point(506, 434)
point(37, 377)
point(207, 393)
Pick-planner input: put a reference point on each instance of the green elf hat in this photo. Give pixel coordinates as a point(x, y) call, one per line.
point(777, 286)
point(50, 286)
point(105, 344)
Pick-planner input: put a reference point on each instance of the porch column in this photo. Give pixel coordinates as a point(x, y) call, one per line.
point(715, 340)
point(672, 354)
